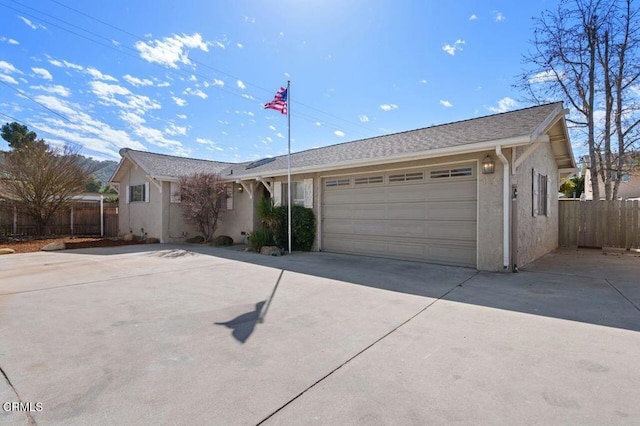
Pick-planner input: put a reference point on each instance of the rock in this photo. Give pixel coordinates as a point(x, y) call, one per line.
point(129, 237)
point(152, 240)
point(6, 250)
point(270, 251)
point(58, 245)
point(196, 240)
point(222, 240)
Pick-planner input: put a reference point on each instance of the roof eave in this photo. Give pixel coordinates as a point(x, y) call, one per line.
point(441, 152)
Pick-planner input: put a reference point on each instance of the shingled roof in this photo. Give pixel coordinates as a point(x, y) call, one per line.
point(522, 123)
point(161, 165)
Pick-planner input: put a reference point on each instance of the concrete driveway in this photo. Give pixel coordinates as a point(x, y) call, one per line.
point(170, 335)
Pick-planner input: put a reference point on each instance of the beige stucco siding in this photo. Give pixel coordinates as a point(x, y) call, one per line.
point(140, 218)
point(230, 222)
point(537, 235)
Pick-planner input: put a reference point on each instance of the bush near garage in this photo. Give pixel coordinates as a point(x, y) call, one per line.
point(303, 228)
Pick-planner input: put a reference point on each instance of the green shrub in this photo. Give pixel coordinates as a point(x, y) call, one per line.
point(259, 238)
point(303, 229)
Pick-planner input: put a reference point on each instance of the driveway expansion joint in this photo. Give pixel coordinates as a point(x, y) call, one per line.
point(622, 294)
point(30, 419)
point(384, 336)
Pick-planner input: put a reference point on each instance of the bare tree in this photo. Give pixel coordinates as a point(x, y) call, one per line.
point(41, 180)
point(202, 197)
point(586, 52)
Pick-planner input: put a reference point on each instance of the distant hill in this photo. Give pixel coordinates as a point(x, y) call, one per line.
point(103, 169)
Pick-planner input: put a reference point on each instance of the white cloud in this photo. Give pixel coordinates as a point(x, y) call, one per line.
point(543, 77)
point(339, 133)
point(249, 20)
point(195, 92)
point(174, 130)
point(209, 143)
point(363, 118)
point(182, 116)
point(445, 103)
point(116, 43)
point(8, 68)
point(225, 122)
point(318, 124)
point(8, 79)
point(218, 44)
point(272, 127)
point(31, 24)
point(241, 85)
point(99, 76)
point(423, 81)
point(135, 81)
point(82, 129)
point(455, 47)
point(499, 16)
point(240, 46)
point(473, 17)
point(388, 107)
point(244, 95)
point(280, 135)
point(111, 94)
point(179, 101)
point(164, 84)
point(132, 118)
point(43, 73)
point(65, 64)
point(217, 83)
point(9, 40)
point(171, 51)
point(505, 104)
point(55, 89)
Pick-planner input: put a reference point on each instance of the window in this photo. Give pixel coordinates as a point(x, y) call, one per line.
point(137, 193)
point(540, 194)
point(175, 192)
point(368, 180)
point(402, 177)
point(337, 182)
point(297, 194)
point(229, 197)
point(449, 173)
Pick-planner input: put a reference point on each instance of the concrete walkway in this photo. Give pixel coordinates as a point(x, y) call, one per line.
point(170, 334)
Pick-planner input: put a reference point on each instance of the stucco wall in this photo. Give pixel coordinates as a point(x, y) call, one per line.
point(536, 235)
point(141, 218)
point(230, 222)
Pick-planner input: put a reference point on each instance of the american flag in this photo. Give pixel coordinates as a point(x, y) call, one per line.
point(279, 102)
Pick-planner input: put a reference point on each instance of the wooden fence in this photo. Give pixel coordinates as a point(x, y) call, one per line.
point(82, 218)
point(599, 224)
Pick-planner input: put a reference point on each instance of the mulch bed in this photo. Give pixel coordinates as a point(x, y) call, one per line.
point(33, 245)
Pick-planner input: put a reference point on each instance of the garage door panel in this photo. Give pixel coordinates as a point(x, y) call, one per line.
point(455, 210)
point(430, 220)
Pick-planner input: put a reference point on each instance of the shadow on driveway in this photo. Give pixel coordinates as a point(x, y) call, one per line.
point(576, 285)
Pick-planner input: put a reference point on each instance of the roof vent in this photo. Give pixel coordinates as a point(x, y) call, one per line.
point(259, 163)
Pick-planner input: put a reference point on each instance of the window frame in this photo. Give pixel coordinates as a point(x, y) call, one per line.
point(143, 193)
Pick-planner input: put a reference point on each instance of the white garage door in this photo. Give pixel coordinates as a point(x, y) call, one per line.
point(419, 214)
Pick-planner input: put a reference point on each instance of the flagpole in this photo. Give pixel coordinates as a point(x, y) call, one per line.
point(289, 161)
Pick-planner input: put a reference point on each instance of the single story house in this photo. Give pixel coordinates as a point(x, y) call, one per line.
point(629, 186)
point(481, 193)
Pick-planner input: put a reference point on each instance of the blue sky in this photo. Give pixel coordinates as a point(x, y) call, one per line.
point(191, 78)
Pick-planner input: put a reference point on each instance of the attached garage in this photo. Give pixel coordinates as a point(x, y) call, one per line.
point(427, 214)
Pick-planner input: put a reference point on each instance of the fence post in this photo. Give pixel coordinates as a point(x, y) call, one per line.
point(15, 220)
point(101, 215)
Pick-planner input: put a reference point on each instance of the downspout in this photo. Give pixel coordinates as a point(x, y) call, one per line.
point(505, 208)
